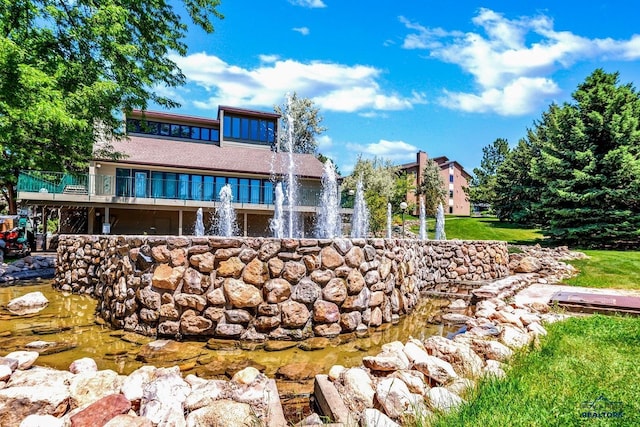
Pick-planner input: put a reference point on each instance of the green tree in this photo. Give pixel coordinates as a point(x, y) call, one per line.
point(483, 185)
point(517, 192)
point(306, 119)
point(432, 188)
point(378, 179)
point(83, 63)
point(403, 186)
point(590, 164)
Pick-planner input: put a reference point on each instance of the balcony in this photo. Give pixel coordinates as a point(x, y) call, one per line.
point(143, 189)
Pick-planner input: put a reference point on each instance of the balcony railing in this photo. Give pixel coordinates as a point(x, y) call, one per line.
point(257, 192)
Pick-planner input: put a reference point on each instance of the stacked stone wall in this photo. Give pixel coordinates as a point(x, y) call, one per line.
point(262, 288)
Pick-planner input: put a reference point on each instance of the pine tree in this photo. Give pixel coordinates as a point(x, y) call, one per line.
point(589, 163)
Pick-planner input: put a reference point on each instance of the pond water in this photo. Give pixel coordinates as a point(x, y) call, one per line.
point(67, 330)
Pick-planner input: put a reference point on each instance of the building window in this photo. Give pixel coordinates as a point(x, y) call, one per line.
point(451, 178)
point(450, 194)
point(244, 129)
point(450, 209)
point(196, 133)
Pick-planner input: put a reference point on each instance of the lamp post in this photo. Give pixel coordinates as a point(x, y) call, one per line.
point(403, 206)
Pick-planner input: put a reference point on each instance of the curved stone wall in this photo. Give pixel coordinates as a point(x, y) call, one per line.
point(263, 288)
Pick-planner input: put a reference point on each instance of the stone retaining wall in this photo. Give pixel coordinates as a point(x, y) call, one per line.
point(262, 288)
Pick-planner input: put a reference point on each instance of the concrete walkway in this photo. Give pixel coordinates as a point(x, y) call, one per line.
point(543, 292)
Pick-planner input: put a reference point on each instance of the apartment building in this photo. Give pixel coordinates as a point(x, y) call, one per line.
point(454, 177)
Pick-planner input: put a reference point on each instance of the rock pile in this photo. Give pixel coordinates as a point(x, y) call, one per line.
point(408, 381)
point(29, 267)
point(149, 396)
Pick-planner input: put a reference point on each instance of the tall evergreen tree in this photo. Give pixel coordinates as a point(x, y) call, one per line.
point(482, 189)
point(590, 164)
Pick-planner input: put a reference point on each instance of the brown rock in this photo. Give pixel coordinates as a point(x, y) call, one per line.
point(350, 321)
point(265, 309)
point(268, 250)
point(242, 317)
point(328, 330)
point(354, 257)
point(241, 295)
point(355, 280)
point(266, 323)
point(203, 262)
point(223, 254)
point(214, 313)
point(229, 330)
point(275, 266)
point(192, 324)
point(197, 302)
point(277, 290)
point(335, 291)
point(193, 282)
point(216, 297)
point(325, 312)
point(101, 411)
point(376, 317)
point(230, 268)
point(126, 420)
point(178, 257)
point(322, 277)
point(311, 261)
point(168, 311)
point(306, 291)
point(149, 298)
point(357, 302)
point(294, 314)
point(330, 258)
point(167, 277)
point(255, 273)
point(161, 253)
point(528, 264)
point(298, 371)
point(294, 271)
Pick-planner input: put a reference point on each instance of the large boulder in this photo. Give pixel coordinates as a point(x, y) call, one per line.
point(30, 303)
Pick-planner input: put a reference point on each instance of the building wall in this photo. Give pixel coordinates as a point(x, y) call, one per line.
point(258, 288)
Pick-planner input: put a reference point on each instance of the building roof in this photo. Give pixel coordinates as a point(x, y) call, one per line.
point(176, 153)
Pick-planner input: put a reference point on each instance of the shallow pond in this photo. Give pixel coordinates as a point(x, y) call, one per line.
point(67, 330)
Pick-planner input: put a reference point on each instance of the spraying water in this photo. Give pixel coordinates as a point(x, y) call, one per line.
point(360, 218)
point(440, 234)
point(277, 222)
point(291, 187)
point(388, 220)
point(423, 221)
point(225, 215)
point(329, 220)
point(199, 227)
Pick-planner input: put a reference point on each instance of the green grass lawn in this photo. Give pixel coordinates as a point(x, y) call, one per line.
point(485, 228)
point(583, 361)
point(608, 269)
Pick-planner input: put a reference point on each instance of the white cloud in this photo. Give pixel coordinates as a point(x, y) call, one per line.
point(511, 59)
point(333, 87)
point(395, 151)
point(518, 97)
point(324, 142)
point(302, 30)
point(308, 3)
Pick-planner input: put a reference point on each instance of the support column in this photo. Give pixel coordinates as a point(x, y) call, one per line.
point(45, 218)
point(91, 219)
point(180, 222)
point(107, 217)
point(245, 224)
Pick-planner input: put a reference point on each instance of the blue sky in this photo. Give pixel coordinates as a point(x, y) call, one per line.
point(392, 78)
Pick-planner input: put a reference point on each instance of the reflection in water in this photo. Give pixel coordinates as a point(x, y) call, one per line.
point(69, 323)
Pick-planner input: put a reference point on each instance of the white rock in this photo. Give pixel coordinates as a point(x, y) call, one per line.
point(359, 384)
point(134, 384)
point(336, 371)
point(393, 396)
point(537, 329)
point(163, 398)
point(492, 349)
point(460, 386)
point(442, 399)
point(87, 387)
point(435, 368)
point(514, 337)
point(30, 303)
point(16, 403)
point(205, 394)
point(246, 376)
point(223, 413)
point(504, 316)
point(373, 418)
point(34, 420)
point(86, 364)
point(415, 380)
point(25, 359)
point(458, 354)
point(493, 368)
point(458, 304)
point(5, 372)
